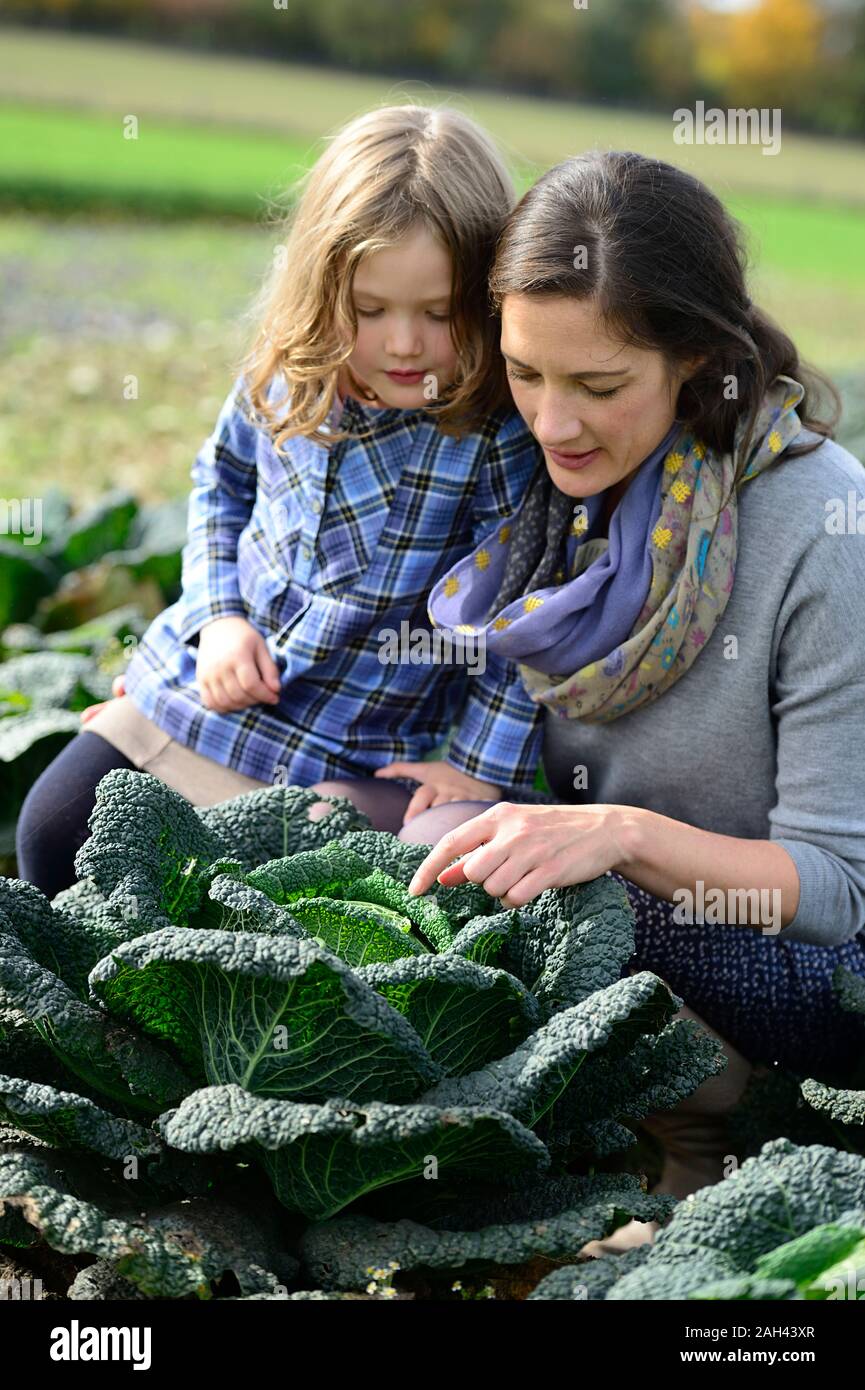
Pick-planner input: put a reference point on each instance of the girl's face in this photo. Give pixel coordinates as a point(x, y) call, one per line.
point(583, 393)
point(404, 354)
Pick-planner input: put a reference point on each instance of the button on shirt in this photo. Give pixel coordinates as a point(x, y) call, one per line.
point(325, 550)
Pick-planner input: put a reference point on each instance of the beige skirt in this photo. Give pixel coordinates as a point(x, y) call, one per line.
point(201, 780)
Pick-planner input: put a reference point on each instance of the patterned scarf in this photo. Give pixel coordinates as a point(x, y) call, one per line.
point(601, 626)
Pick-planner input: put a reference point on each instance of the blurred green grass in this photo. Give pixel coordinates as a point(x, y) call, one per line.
point(56, 158)
point(96, 290)
point(53, 159)
point(87, 303)
point(77, 71)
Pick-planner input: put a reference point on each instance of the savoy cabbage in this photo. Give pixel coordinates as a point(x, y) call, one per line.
point(788, 1224)
point(241, 1004)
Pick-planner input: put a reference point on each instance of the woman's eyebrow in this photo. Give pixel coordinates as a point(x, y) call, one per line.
point(583, 376)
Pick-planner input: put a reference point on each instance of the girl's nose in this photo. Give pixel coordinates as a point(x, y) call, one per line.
point(403, 341)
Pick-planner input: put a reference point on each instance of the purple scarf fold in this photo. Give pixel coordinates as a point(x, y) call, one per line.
point(563, 626)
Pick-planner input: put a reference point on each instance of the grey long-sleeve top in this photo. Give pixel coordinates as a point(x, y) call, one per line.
point(767, 742)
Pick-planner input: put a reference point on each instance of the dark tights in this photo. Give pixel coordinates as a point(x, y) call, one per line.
point(52, 825)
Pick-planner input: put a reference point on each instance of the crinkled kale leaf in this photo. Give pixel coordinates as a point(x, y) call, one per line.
point(263, 983)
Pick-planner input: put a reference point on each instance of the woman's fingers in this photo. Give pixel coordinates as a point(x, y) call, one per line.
point(466, 837)
point(496, 875)
point(533, 873)
point(524, 889)
point(452, 876)
point(482, 862)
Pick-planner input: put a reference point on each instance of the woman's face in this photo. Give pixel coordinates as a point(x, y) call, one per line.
point(582, 392)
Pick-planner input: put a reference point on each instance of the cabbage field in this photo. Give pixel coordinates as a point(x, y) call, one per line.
point(238, 1061)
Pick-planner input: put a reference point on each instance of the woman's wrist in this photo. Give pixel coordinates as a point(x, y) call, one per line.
point(628, 829)
point(676, 862)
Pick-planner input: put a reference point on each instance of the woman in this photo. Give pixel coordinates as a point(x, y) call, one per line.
point(694, 633)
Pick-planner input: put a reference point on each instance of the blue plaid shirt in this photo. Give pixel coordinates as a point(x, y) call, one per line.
point(321, 549)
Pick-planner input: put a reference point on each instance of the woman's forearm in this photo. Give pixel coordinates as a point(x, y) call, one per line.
point(709, 875)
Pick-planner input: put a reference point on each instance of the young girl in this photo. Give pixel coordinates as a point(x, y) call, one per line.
point(368, 442)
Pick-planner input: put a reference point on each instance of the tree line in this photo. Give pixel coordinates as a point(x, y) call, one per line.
point(805, 56)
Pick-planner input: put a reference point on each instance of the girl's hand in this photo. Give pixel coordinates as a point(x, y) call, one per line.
point(234, 668)
point(441, 783)
point(118, 688)
point(518, 851)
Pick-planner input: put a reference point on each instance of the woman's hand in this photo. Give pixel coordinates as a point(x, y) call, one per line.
point(118, 688)
point(518, 851)
point(441, 783)
point(234, 668)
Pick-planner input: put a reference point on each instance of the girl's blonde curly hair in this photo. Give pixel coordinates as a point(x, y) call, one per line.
point(380, 176)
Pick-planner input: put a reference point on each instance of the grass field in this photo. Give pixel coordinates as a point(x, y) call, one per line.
point(304, 103)
point(53, 158)
point(96, 289)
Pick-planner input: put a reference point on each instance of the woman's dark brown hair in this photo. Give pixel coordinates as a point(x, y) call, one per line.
point(665, 262)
